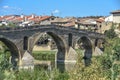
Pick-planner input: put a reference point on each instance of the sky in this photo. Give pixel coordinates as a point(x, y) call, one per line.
point(62, 8)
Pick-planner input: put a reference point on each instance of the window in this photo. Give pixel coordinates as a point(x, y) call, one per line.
point(70, 39)
point(25, 43)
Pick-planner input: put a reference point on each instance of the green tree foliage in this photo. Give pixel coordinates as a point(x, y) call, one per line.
point(2, 26)
point(110, 33)
point(10, 24)
point(113, 55)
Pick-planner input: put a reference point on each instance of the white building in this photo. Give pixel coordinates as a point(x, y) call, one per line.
point(114, 17)
point(109, 18)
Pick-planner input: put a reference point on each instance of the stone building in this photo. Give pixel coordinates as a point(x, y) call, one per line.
point(116, 16)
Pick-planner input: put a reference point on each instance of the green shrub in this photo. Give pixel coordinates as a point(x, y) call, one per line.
point(111, 33)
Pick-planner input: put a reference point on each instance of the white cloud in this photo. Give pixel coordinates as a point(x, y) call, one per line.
point(6, 7)
point(56, 11)
point(11, 9)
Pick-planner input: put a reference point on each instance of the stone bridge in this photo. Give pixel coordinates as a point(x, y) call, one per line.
point(21, 41)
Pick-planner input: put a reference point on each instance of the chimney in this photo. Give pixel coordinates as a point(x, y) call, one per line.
point(25, 19)
point(22, 16)
point(33, 15)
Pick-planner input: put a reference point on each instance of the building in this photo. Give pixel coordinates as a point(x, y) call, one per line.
point(116, 16)
point(25, 20)
point(90, 24)
point(67, 22)
point(109, 18)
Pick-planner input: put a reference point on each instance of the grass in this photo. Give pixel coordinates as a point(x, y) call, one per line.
point(44, 52)
point(44, 55)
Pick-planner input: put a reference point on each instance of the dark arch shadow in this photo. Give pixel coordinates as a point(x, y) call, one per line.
point(96, 42)
point(14, 52)
point(60, 57)
point(61, 51)
point(87, 45)
point(99, 43)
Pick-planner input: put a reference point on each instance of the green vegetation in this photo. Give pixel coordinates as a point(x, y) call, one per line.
point(4, 57)
point(10, 24)
point(111, 32)
point(44, 55)
point(104, 67)
point(2, 26)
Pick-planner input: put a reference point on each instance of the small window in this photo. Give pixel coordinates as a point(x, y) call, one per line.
point(70, 39)
point(25, 43)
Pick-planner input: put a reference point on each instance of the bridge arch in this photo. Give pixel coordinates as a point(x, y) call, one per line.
point(61, 46)
point(99, 43)
point(60, 43)
point(85, 43)
point(13, 51)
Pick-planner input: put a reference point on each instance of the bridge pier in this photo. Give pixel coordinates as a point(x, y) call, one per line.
point(71, 59)
point(87, 57)
point(69, 62)
point(27, 61)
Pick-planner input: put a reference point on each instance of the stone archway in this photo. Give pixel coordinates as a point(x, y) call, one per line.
point(13, 50)
point(86, 44)
point(61, 46)
point(99, 48)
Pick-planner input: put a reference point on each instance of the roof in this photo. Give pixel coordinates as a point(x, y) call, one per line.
point(39, 18)
point(28, 18)
point(44, 18)
point(71, 24)
point(114, 12)
point(18, 19)
point(86, 23)
point(61, 20)
point(100, 20)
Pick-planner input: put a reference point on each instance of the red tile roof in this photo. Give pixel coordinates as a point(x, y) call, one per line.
point(5, 17)
point(100, 20)
point(18, 19)
point(29, 18)
point(42, 18)
point(38, 18)
point(71, 24)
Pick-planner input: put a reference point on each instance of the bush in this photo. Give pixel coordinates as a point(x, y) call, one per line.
point(110, 33)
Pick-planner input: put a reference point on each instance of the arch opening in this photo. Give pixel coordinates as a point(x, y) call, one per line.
point(70, 39)
point(99, 44)
point(25, 43)
point(11, 50)
point(57, 45)
point(85, 45)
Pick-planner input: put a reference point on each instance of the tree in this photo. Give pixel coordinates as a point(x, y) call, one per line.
point(11, 24)
point(111, 33)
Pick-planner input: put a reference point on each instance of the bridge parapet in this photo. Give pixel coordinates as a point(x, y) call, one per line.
point(90, 33)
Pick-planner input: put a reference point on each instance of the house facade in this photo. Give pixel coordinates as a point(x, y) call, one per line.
point(116, 16)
